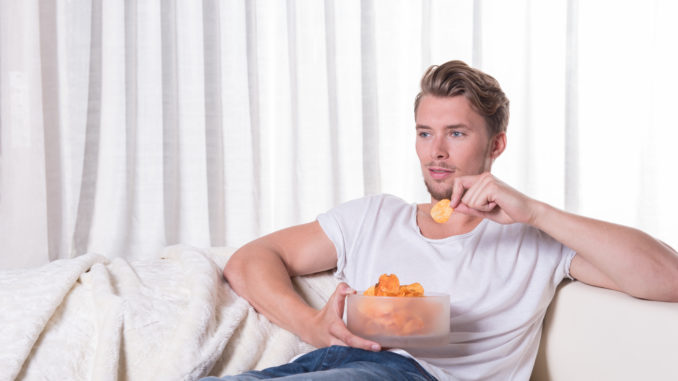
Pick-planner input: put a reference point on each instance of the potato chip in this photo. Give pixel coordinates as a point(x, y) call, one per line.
point(441, 211)
point(389, 285)
point(393, 319)
point(370, 291)
point(414, 289)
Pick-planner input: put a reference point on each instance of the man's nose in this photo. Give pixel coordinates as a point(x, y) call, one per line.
point(440, 149)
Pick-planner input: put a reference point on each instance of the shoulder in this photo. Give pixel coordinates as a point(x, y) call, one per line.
point(372, 202)
point(514, 229)
point(353, 214)
point(529, 249)
point(520, 233)
point(381, 198)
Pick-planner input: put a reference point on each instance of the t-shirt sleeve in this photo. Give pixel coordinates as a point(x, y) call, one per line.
point(565, 254)
point(569, 254)
point(332, 229)
point(558, 257)
point(342, 225)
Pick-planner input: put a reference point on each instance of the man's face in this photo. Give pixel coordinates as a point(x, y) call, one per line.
point(452, 140)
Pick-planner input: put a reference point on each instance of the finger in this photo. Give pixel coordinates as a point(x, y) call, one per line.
point(461, 184)
point(358, 342)
point(491, 205)
point(342, 334)
point(480, 195)
point(464, 209)
point(476, 212)
point(483, 205)
point(336, 341)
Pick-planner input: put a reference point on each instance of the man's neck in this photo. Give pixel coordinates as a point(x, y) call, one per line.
point(456, 225)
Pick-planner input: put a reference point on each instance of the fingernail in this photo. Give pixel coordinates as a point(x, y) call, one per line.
point(375, 347)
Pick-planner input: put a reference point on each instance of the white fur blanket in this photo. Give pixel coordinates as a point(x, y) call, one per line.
point(171, 318)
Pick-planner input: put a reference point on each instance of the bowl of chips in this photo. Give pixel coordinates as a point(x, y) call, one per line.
point(397, 315)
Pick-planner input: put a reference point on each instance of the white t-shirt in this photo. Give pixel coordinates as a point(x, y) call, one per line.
point(501, 279)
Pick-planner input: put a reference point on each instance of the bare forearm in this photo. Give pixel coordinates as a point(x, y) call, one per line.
point(608, 255)
point(636, 262)
point(261, 272)
point(259, 275)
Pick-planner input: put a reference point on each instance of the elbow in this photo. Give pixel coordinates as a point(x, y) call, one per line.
point(665, 279)
point(671, 268)
point(672, 289)
point(228, 269)
point(234, 273)
point(669, 292)
point(666, 291)
point(233, 270)
point(673, 295)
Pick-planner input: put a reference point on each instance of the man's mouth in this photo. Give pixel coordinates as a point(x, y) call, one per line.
point(439, 173)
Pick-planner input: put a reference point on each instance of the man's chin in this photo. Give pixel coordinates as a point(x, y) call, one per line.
point(438, 194)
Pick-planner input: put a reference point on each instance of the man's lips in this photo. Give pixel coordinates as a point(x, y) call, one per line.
point(439, 173)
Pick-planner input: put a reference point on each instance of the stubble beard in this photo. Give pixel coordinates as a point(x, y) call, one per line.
point(438, 194)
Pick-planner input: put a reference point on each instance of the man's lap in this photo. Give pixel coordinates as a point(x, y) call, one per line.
point(341, 363)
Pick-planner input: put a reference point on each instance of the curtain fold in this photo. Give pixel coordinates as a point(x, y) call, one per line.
point(132, 161)
point(370, 112)
point(129, 126)
point(571, 107)
point(90, 161)
point(171, 153)
point(214, 129)
point(332, 101)
point(49, 61)
point(252, 66)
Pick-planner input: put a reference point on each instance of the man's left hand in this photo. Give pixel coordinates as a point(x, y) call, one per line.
point(486, 196)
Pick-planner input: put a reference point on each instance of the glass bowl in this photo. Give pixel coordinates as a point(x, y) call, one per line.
point(417, 321)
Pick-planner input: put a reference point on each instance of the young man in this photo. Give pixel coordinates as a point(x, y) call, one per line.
point(500, 256)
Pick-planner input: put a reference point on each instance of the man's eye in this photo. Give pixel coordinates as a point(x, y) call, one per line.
point(424, 134)
point(457, 133)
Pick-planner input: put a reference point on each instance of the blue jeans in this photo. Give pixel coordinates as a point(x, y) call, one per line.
point(341, 363)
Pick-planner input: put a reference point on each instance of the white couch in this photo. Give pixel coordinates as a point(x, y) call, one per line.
point(592, 333)
point(175, 318)
point(589, 333)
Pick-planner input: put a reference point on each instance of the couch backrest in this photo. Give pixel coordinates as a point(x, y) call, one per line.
point(592, 333)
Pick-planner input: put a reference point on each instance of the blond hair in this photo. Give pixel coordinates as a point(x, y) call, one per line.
point(482, 90)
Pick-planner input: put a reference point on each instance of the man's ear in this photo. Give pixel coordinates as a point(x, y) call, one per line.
point(497, 145)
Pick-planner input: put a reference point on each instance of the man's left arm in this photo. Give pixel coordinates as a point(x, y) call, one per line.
point(608, 255)
point(613, 256)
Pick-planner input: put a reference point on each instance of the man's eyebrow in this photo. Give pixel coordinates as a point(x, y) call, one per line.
point(456, 126)
point(450, 127)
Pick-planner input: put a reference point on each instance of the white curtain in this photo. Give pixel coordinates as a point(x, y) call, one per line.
point(126, 126)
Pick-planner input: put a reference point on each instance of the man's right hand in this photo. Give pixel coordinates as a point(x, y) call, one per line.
point(328, 327)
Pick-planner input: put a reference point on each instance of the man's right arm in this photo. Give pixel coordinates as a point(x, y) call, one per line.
point(261, 272)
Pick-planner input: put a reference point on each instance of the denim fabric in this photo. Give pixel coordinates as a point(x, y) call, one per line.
point(340, 363)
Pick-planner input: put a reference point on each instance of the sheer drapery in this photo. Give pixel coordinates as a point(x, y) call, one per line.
point(126, 126)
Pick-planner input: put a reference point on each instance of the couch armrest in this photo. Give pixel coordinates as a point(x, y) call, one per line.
point(592, 333)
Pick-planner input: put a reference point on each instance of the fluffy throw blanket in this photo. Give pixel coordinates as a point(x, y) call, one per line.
point(170, 318)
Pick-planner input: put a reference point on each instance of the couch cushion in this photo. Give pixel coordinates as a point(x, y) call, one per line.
point(592, 333)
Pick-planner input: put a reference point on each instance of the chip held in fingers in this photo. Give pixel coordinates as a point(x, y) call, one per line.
point(441, 211)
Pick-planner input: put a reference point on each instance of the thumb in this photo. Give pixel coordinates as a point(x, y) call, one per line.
point(338, 298)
